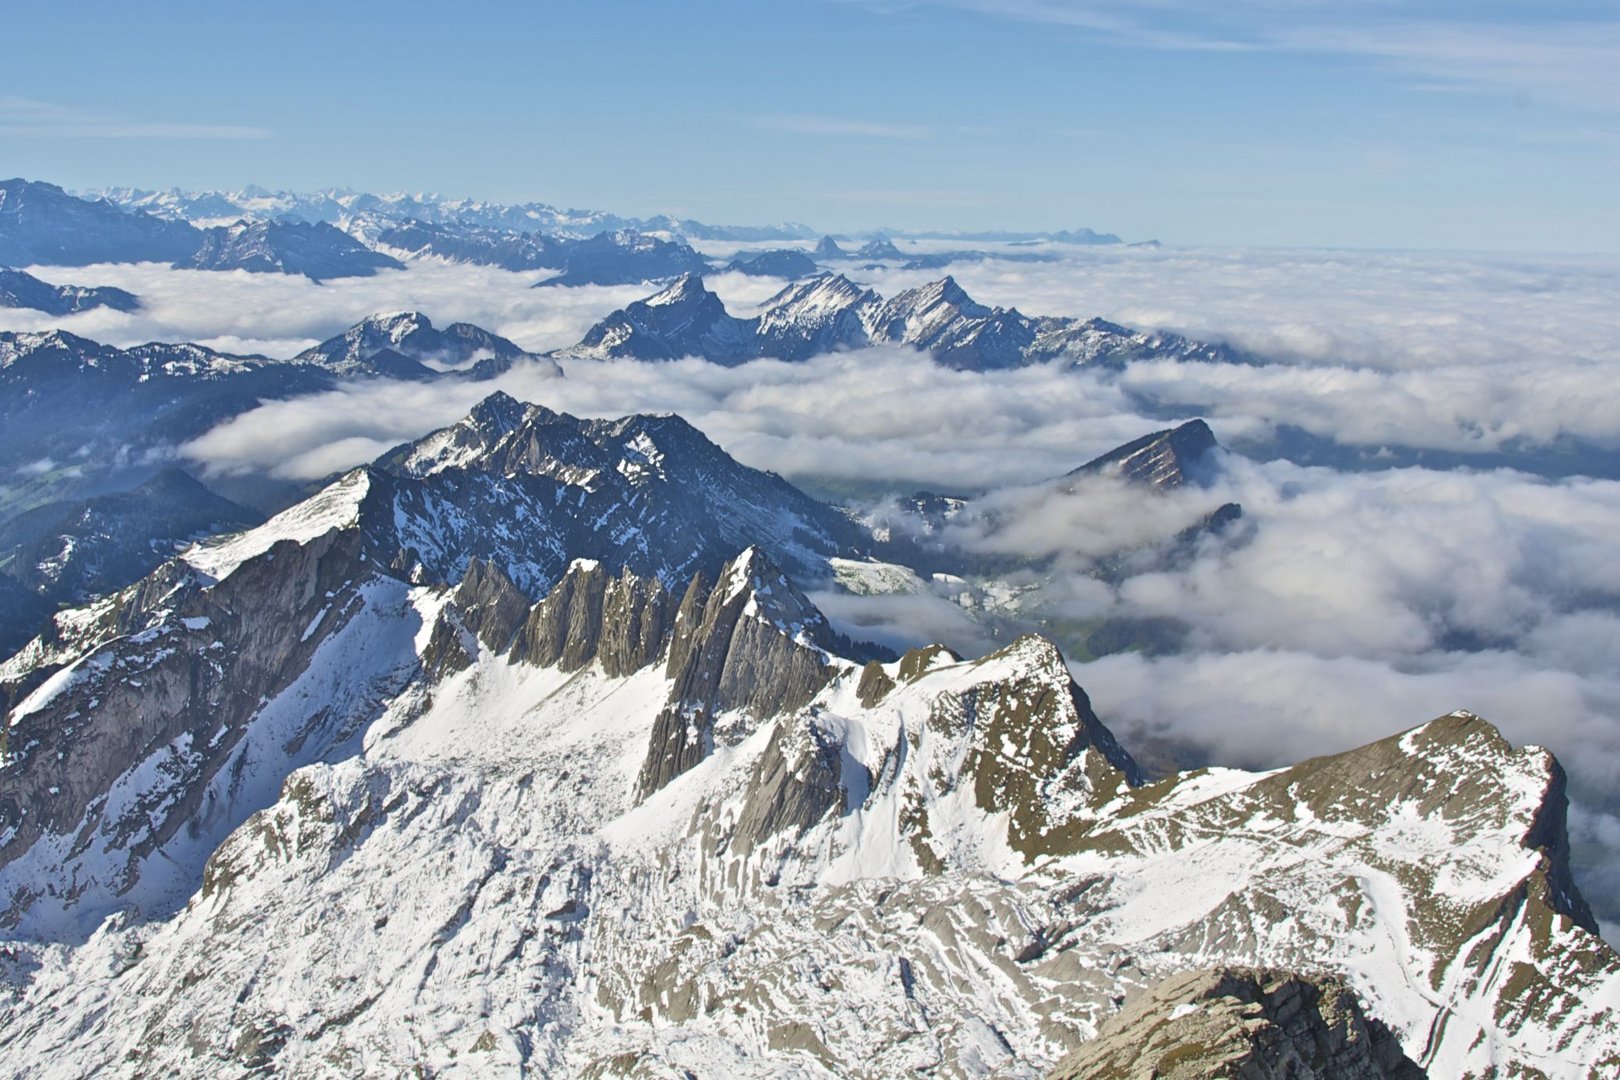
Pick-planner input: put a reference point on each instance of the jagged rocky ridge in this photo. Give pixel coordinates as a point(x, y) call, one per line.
point(615, 833)
point(830, 312)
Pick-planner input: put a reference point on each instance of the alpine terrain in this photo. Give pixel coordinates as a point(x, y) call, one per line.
point(522, 751)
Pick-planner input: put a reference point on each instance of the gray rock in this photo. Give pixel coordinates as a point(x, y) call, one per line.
point(179, 696)
point(1242, 1024)
point(753, 644)
point(592, 616)
point(491, 606)
point(1162, 459)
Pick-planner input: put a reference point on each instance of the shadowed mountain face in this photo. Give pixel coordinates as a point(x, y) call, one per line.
point(830, 312)
point(624, 258)
point(40, 224)
point(480, 246)
point(21, 290)
point(317, 251)
point(73, 551)
point(787, 263)
point(84, 418)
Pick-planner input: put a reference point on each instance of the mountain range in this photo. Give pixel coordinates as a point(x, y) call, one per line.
point(490, 757)
point(523, 749)
point(338, 206)
point(830, 312)
point(345, 234)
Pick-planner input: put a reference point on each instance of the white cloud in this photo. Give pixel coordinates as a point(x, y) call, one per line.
point(281, 314)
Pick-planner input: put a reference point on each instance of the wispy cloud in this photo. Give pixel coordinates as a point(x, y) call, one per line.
point(839, 127)
point(27, 117)
point(1554, 57)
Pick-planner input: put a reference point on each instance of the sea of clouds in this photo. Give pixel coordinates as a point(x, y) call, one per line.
point(1346, 606)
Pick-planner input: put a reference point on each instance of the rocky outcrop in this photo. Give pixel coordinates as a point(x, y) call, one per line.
point(591, 616)
point(1242, 1024)
point(752, 644)
point(1161, 459)
point(491, 606)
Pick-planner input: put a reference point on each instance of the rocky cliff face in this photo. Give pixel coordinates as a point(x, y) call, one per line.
point(1160, 459)
point(1251, 1024)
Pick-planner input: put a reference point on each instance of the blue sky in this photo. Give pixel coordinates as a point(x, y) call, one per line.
point(1273, 122)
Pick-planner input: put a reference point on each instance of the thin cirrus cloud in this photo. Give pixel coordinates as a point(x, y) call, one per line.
point(1569, 57)
point(31, 118)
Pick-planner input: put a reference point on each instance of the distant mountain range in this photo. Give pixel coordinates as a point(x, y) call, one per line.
point(344, 234)
point(340, 206)
point(829, 312)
